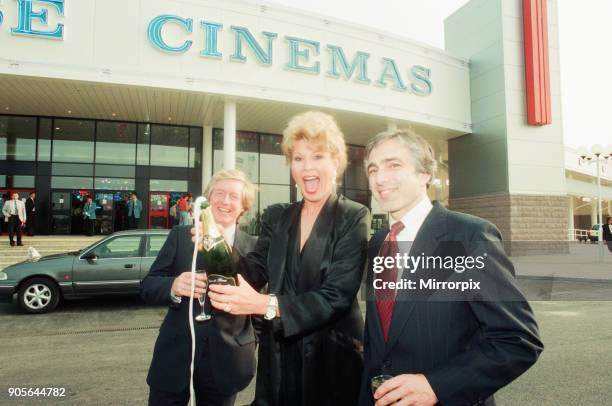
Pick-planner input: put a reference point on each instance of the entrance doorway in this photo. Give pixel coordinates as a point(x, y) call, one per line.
point(67, 211)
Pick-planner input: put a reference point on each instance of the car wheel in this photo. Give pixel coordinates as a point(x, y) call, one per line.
point(38, 295)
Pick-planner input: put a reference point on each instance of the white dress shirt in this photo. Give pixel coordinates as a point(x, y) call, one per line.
point(230, 234)
point(413, 220)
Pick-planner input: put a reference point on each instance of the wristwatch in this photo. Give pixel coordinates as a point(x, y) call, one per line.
point(271, 309)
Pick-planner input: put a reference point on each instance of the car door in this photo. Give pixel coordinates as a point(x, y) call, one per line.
point(154, 244)
point(114, 269)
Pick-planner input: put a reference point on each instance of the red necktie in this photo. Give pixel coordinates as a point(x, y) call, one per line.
point(385, 298)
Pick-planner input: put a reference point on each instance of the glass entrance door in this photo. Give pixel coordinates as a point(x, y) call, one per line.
point(67, 211)
point(105, 212)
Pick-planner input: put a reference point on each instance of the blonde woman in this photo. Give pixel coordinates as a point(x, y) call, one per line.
point(312, 254)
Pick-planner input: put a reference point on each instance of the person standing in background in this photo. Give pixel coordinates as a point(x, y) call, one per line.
point(3, 198)
point(607, 232)
point(30, 206)
point(184, 206)
point(134, 211)
point(15, 216)
point(89, 214)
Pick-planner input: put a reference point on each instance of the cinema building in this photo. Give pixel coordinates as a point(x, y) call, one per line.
point(101, 97)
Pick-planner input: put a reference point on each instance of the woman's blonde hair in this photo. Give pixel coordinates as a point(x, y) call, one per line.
point(248, 192)
point(318, 128)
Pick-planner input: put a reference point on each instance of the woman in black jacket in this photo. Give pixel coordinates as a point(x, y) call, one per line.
point(312, 255)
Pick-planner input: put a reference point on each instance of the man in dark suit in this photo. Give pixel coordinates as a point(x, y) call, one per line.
point(225, 345)
point(30, 206)
point(607, 233)
point(439, 346)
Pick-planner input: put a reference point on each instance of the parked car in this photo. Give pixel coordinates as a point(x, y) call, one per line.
point(114, 265)
point(594, 233)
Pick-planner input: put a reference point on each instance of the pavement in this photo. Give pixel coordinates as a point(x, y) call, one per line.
point(100, 349)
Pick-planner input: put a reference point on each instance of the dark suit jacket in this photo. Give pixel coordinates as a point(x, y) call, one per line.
point(231, 339)
point(466, 349)
point(323, 316)
point(607, 235)
point(29, 206)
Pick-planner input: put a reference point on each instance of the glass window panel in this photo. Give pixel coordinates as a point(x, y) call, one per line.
point(2, 180)
point(66, 182)
point(23, 181)
point(270, 144)
point(116, 171)
point(73, 141)
point(161, 185)
point(115, 143)
point(355, 176)
point(195, 147)
point(120, 247)
point(245, 141)
point(71, 169)
point(247, 162)
point(272, 194)
point(274, 169)
point(156, 242)
point(169, 146)
point(115, 183)
point(44, 139)
point(144, 138)
point(17, 138)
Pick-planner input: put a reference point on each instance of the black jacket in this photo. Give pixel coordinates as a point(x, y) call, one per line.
point(29, 206)
point(607, 235)
point(467, 349)
point(231, 339)
point(323, 317)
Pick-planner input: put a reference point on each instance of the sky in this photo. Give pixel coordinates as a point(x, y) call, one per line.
point(586, 62)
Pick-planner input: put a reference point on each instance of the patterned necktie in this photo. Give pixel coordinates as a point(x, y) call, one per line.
point(385, 298)
point(15, 207)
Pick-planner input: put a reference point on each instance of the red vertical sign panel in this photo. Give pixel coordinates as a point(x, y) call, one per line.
point(537, 70)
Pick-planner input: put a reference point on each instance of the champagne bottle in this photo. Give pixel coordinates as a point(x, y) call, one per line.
point(216, 251)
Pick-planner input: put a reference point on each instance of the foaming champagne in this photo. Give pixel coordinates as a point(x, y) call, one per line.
point(216, 251)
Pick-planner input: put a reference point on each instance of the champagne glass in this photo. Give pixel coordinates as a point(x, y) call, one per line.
point(203, 316)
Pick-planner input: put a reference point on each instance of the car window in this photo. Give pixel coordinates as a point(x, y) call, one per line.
point(119, 247)
point(156, 242)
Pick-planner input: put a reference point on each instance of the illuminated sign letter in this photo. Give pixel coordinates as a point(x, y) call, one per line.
point(27, 15)
point(211, 33)
point(243, 34)
point(360, 61)
point(155, 32)
point(422, 80)
point(390, 72)
point(295, 53)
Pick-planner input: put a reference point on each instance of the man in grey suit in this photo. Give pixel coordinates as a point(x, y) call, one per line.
point(432, 346)
point(15, 216)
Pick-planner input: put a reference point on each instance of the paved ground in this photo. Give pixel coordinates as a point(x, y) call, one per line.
point(101, 348)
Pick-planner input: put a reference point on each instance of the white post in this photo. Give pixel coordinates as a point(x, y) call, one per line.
point(207, 156)
point(598, 161)
point(229, 134)
point(570, 218)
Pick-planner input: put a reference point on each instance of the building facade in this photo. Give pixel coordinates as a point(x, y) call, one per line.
point(104, 96)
